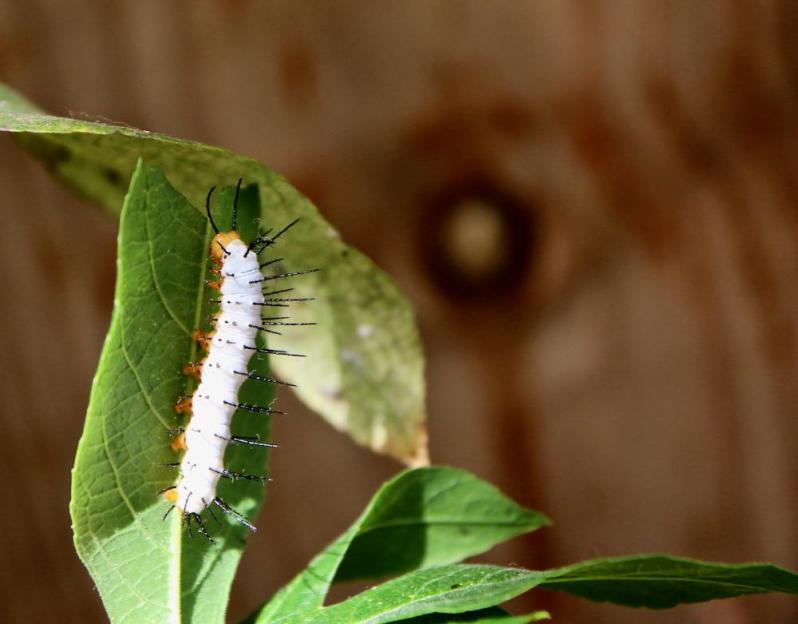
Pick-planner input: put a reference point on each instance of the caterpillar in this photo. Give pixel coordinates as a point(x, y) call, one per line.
point(228, 347)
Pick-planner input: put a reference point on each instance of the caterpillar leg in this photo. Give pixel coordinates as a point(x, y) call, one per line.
point(200, 525)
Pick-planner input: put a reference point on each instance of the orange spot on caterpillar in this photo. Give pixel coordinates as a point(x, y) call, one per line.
point(212, 284)
point(193, 369)
point(201, 338)
point(179, 443)
point(171, 496)
point(183, 406)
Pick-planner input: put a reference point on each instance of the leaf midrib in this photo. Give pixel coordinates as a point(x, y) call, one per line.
point(175, 573)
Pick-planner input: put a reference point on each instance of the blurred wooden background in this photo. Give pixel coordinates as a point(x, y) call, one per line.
point(592, 204)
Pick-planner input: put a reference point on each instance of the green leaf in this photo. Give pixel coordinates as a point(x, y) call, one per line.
point(662, 582)
point(442, 515)
point(364, 370)
point(147, 569)
point(652, 581)
point(447, 589)
point(435, 515)
point(432, 517)
point(494, 615)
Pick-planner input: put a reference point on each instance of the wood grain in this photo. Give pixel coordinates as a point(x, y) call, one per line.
point(636, 377)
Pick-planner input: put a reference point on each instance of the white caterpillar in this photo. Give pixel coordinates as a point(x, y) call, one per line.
point(216, 397)
point(229, 347)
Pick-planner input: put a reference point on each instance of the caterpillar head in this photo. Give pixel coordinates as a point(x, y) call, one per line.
point(220, 243)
